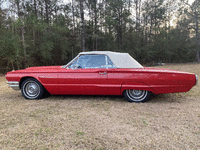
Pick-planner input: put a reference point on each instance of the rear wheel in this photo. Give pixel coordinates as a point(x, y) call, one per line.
point(32, 89)
point(136, 95)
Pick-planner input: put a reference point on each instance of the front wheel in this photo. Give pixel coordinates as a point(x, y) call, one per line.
point(136, 95)
point(32, 89)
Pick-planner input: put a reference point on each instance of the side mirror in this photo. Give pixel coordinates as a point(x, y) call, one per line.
point(77, 67)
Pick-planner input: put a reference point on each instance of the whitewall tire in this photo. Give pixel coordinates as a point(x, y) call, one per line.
point(136, 95)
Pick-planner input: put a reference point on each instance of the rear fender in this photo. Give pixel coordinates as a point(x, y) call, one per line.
point(135, 86)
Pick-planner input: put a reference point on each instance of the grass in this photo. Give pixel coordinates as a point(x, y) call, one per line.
point(170, 121)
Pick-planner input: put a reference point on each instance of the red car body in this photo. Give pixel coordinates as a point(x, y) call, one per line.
point(59, 80)
point(101, 81)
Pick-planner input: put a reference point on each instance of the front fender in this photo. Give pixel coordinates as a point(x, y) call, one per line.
point(135, 86)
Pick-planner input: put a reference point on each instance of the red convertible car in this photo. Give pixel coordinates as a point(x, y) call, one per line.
point(100, 73)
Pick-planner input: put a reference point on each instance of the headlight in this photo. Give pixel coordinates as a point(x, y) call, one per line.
point(196, 79)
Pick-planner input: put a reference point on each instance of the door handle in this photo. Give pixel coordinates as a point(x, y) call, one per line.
point(102, 73)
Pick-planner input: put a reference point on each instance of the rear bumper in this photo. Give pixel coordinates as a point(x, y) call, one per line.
point(14, 85)
point(196, 79)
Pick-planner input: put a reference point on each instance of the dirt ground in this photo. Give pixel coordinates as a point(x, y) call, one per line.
point(170, 121)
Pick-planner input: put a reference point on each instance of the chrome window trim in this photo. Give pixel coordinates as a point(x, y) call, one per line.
point(106, 57)
point(66, 66)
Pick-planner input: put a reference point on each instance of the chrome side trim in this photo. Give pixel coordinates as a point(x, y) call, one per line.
point(14, 85)
point(196, 79)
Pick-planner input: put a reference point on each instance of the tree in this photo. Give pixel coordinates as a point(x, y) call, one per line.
point(82, 25)
point(192, 13)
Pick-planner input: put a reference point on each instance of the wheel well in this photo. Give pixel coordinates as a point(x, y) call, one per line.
point(22, 79)
point(136, 86)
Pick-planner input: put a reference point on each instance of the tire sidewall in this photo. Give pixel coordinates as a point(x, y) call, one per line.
point(41, 89)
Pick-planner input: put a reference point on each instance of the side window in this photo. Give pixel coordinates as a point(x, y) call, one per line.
point(89, 61)
point(110, 63)
point(96, 61)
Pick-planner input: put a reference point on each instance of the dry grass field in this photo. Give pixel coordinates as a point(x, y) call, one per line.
point(170, 121)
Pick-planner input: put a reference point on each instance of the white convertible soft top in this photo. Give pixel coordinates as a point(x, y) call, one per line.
point(120, 60)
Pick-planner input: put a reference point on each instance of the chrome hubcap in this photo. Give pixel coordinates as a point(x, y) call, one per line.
point(136, 95)
point(31, 89)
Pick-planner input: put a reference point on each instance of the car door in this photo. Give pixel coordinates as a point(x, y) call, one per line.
point(115, 75)
point(86, 76)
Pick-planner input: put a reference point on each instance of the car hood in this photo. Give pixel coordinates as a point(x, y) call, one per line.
point(43, 67)
point(37, 69)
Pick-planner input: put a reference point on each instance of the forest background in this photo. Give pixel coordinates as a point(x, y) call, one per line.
point(51, 32)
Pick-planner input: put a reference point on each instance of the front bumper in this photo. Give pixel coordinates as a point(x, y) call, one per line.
point(14, 85)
